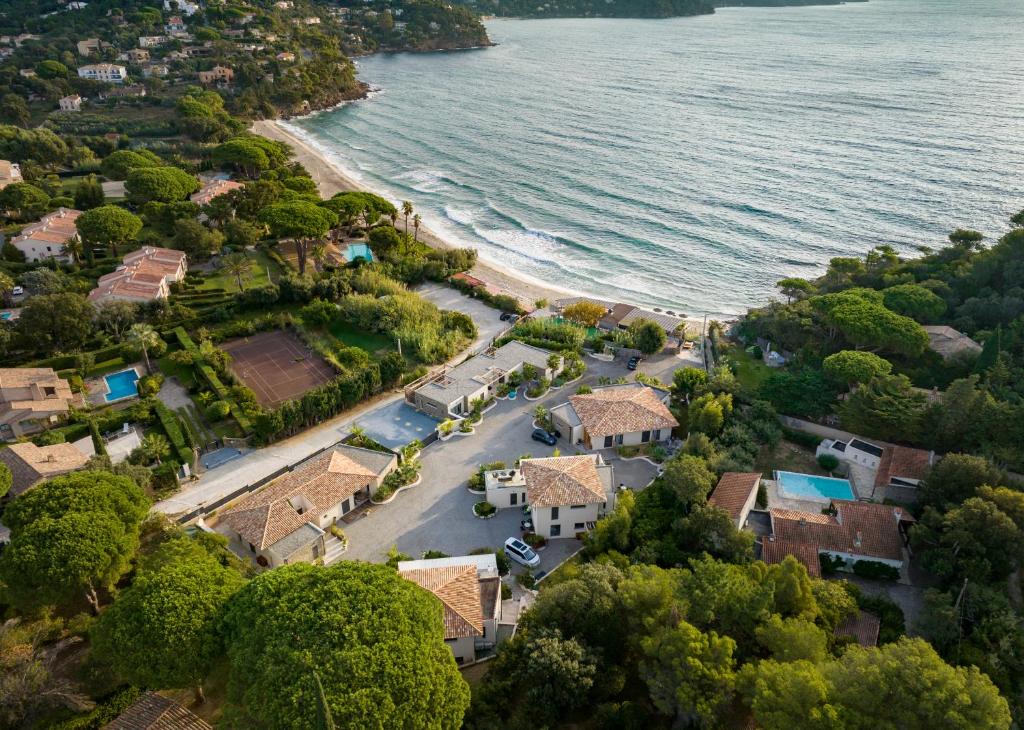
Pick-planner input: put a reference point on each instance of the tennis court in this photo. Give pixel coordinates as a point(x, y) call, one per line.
point(277, 366)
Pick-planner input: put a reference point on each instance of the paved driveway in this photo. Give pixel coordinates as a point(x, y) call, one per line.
point(437, 514)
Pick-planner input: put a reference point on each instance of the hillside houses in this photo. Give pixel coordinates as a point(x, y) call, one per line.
point(47, 238)
point(144, 276)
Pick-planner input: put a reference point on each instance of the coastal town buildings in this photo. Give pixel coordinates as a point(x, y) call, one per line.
point(31, 399)
point(145, 275)
point(88, 46)
point(216, 75)
point(10, 172)
point(214, 189)
point(567, 494)
point(848, 532)
point(70, 103)
point(30, 464)
point(110, 73)
point(452, 392)
point(46, 239)
point(287, 521)
point(469, 588)
point(630, 414)
point(736, 494)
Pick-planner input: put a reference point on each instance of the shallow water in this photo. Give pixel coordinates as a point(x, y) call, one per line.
point(690, 163)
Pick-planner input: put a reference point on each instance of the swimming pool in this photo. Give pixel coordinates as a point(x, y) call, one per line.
point(815, 488)
point(121, 385)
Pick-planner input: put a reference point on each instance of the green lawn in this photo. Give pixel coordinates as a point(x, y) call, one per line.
point(184, 373)
point(750, 371)
point(261, 263)
point(369, 341)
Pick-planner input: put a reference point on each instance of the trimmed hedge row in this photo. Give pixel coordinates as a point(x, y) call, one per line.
point(64, 362)
point(210, 376)
point(172, 428)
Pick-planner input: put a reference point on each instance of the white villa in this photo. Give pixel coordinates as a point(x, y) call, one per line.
point(615, 415)
point(566, 494)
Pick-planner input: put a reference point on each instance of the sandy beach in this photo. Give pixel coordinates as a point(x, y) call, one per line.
point(331, 180)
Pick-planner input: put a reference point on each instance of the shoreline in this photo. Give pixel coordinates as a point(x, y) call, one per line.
point(331, 180)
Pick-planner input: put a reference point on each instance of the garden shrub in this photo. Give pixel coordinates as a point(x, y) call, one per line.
point(171, 426)
point(484, 509)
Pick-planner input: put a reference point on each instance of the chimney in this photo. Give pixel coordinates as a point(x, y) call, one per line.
point(50, 458)
point(859, 539)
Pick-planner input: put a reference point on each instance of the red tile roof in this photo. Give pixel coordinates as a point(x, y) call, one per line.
point(458, 587)
point(775, 551)
point(858, 528)
point(862, 626)
point(733, 491)
point(901, 462)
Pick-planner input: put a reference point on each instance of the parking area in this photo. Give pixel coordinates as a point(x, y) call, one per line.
point(437, 514)
point(396, 424)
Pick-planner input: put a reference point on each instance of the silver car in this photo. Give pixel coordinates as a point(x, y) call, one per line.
point(522, 553)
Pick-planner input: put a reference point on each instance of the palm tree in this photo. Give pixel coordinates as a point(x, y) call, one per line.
point(155, 447)
point(73, 246)
point(416, 220)
point(143, 337)
point(406, 211)
point(238, 264)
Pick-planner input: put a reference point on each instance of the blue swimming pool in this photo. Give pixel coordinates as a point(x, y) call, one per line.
point(6, 316)
point(808, 486)
point(121, 385)
point(358, 251)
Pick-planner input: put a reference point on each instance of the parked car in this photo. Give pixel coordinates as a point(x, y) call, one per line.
point(512, 318)
point(521, 553)
point(539, 434)
point(633, 362)
point(17, 291)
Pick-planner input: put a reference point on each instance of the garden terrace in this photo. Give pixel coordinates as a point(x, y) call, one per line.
point(277, 366)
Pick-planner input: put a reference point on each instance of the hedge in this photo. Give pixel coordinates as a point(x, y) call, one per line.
point(172, 428)
point(98, 443)
point(211, 377)
point(64, 362)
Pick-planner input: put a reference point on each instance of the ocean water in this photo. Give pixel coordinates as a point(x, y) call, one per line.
point(691, 163)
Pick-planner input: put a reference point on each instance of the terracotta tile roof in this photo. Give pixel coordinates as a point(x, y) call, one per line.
point(733, 491)
point(561, 481)
point(459, 590)
point(155, 712)
point(25, 377)
point(775, 551)
point(30, 464)
point(901, 462)
point(214, 189)
point(615, 410)
point(265, 516)
point(55, 227)
point(142, 274)
point(862, 626)
point(858, 528)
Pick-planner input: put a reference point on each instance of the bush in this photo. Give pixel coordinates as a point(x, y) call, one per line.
point(319, 313)
point(484, 509)
point(534, 540)
point(338, 533)
point(828, 462)
point(218, 410)
point(149, 385)
point(526, 580)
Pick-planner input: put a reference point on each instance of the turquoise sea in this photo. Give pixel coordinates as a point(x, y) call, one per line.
point(690, 163)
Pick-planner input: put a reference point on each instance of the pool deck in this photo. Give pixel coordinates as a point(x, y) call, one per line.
point(106, 385)
point(777, 500)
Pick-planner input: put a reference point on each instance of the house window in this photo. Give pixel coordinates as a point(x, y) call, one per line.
point(579, 526)
point(578, 506)
point(556, 530)
point(513, 499)
point(316, 551)
point(50, 391)
point(607, 442)
point(645, 437)
point(252, 547)
point(554, 513)
point(618, 439)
